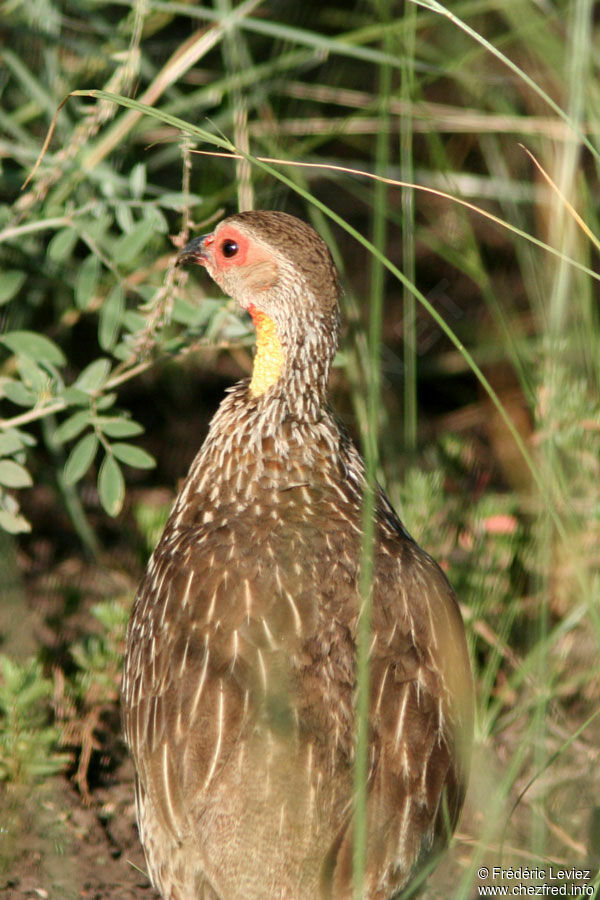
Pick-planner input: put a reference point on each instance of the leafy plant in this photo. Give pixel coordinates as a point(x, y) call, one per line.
point(29, 739)
point(92, 693)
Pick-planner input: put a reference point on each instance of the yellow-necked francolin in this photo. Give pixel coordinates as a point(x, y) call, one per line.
point(240, 674)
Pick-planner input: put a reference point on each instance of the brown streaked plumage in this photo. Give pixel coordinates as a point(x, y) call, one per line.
point(239, 684)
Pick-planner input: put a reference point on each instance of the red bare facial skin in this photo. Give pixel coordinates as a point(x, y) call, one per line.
point(228, 237)
point(233, 260)
point(227, 250)
point(219, 245)
point(209, 250)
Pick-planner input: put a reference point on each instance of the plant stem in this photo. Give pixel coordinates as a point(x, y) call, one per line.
point(371, 460)
point(408, 237)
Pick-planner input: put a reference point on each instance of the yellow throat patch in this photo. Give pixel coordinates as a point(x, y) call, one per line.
point(268, 360)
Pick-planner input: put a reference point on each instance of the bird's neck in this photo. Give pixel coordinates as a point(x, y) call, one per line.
point(269, 359)
point(294, 369)
point(255, 446)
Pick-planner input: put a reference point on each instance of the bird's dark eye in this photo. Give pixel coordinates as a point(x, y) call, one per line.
point(229, 248)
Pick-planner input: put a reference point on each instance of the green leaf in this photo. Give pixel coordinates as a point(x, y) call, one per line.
point(37, 346)
point(229, 327)
point(111, 485)
point(72, 426)
point(178, 201)
point(187, 314)
point(137, 180)
point(74, 397)
point(13, 475)
point(10, 442)
point(14, 523)
point(122, 351)
point(61, 245)
point(27, 438)
point(124, 218)
point(80, 458)
point(133, 456)
point(111, 314)
point(34, 378)
point(94, 230)
point(87, 281)
point(130, 245)
point(133, 321)
point(93, 376)
point(156, 219)
point(106, 401)
point(11, 281)
point(16, 392)
point(119, 428)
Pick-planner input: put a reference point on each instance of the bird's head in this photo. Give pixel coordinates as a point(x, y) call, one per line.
point(279, 269)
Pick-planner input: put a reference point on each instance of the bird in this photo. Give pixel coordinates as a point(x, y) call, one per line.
point(240, 675)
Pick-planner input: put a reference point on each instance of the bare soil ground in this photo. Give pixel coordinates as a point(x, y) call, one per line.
point(57, 847)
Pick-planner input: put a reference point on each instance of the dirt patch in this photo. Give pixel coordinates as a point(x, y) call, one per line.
point(55, 847)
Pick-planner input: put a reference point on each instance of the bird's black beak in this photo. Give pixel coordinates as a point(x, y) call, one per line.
point(193, 252)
